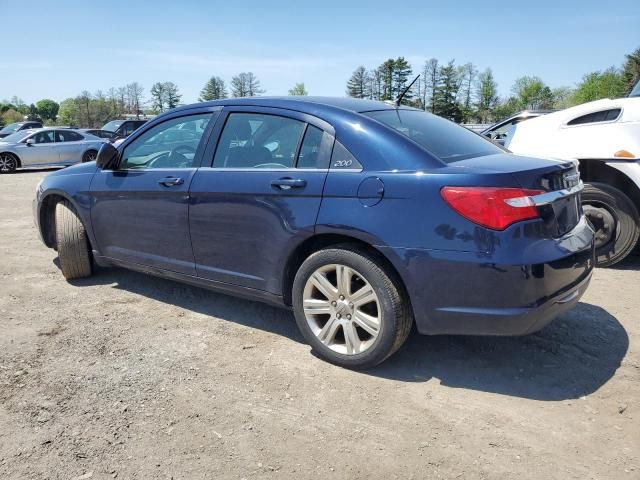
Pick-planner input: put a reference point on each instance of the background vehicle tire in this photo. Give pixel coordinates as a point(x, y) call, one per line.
point(72, 243)
point(89, 156)
point(616, 221)
point(349, 309)
point(8, 163)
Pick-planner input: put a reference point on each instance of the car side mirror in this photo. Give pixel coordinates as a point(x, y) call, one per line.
point(107, 158)
point(30, 142)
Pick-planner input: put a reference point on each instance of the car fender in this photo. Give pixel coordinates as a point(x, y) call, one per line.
point(630, 169)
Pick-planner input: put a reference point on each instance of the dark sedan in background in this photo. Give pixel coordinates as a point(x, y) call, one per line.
point(363, 217)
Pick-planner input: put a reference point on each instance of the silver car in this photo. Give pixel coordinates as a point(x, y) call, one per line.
point(47, 147)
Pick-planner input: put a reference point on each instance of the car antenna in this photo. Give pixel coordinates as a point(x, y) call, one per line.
point(398, 100)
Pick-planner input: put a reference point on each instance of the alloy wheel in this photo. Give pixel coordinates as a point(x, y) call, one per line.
point(342, 309)
point(7, 163)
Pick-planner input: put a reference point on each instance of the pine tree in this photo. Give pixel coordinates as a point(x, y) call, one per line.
point(401, 76)
point(486, 96)
point(357, 85)
point(157, 96)
point(386, 71)
point(214, 89)
point(172, 97)
point(445, 97)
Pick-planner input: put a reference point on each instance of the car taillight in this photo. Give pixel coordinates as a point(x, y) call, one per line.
point(492, 207)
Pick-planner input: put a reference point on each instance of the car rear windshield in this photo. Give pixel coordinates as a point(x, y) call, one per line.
point(444, 139)
point(113, 125)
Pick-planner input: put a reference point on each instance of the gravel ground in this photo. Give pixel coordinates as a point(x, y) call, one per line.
point(128, 376)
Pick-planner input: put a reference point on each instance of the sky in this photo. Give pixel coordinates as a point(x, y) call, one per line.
point(56, 49)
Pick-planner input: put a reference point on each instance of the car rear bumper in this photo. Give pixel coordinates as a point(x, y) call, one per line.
point(466, 293)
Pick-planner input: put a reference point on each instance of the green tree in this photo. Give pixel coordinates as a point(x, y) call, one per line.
point(47, 108)
point(486, 96)
point(214, 89)
point(172, 95)
point(386, 76)
point(157, 97)
point(358, 83)
point(298, 89)
point(631, 70)
point(596, 85)
point(532, 93)
point(445, 96)
point(12, 116)
point(562, 97)
point(68, 112)
point(401, 76)
point(506, 108)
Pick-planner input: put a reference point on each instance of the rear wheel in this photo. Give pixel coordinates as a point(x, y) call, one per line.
point(8, 163)
point(89, 156)
point(615, 219)
point(72, 243)
point(348, 307)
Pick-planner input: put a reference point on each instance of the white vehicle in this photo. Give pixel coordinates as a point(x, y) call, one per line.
point(45, 147)
point(604, 137)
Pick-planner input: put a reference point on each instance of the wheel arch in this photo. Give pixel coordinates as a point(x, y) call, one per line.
point(325, 240)
point(47, 216)
point(599, 172)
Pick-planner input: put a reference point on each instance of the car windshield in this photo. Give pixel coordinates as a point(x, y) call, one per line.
point(12, 127)
point(16, 137)
point(444, 139)
point(636, 91)
point(113, 125)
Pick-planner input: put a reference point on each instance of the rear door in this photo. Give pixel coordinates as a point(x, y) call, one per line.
point(70, 146)
point(140, 210)
point(259, 196)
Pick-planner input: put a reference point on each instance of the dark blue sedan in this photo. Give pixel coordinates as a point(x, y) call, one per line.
point(362, 216)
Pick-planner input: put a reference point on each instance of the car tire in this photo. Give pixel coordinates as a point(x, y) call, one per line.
point(8, 163)
point(615, 219)
point(346, 331)
point(72, 243)
point(89, 156)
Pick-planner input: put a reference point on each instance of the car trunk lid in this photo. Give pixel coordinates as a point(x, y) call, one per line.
point(559, 206)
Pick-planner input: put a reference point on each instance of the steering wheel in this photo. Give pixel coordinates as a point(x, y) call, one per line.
point(174, 158)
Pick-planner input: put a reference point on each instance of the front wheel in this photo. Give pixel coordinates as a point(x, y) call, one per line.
point(72, 243)
point(89, 156)
point(615, 220)
point(349, 308)
point(8, 163)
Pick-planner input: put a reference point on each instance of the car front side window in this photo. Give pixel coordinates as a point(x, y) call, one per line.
point(161, 147)
point(43, 137)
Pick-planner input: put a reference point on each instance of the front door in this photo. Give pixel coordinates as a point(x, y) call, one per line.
point(140, 210)
point(41, 152)
point(260, 197)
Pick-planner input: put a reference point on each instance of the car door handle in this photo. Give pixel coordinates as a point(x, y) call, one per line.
point(171, 181)
point(286, 183)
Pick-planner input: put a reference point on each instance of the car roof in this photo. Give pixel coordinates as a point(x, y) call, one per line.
point(303, 103)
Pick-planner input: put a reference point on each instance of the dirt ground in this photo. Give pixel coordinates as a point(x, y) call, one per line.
point(128, 376)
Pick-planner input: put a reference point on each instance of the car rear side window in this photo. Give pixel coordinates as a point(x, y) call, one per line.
point(253, 140)
point(595, 117)
point(442, 138)
point(68, 136)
